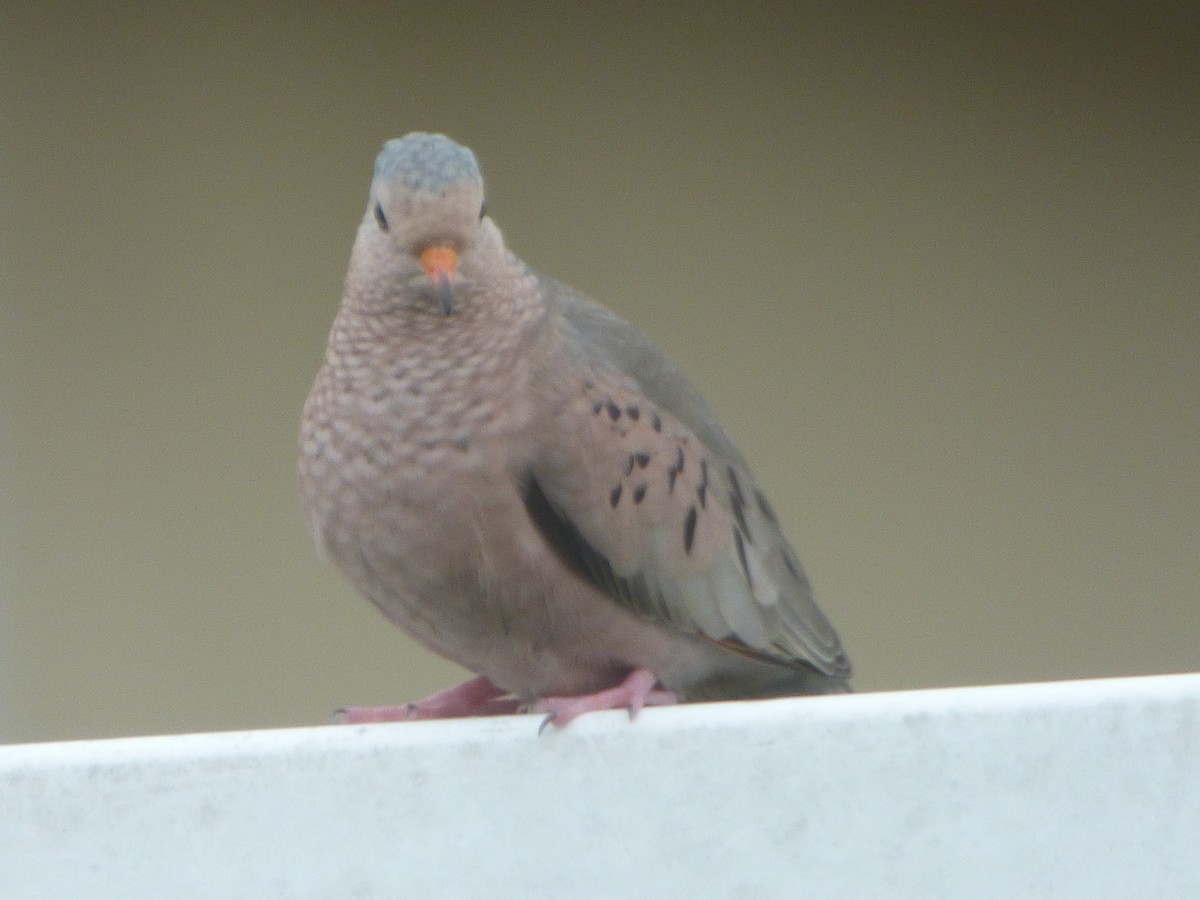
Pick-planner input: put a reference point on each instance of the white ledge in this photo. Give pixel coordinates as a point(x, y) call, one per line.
point(1070, 789)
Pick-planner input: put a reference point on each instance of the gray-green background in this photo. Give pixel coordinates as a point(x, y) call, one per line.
point(938, 268)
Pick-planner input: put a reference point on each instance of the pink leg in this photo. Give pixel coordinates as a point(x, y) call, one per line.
point(475, 697)
point(636, 691)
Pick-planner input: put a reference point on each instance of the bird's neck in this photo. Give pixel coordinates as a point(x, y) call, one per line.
point(449, 375)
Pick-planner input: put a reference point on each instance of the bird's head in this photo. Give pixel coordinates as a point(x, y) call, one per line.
point(425, 227)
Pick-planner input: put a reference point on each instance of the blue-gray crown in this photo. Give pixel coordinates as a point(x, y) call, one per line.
point(426, 162)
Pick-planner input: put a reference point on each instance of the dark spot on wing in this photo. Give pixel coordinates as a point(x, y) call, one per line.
point(614, 411)
point(737, 487)
point(701, 492)
point(597, 406)
point(739, 512)
point(689, 529)
point(655, 421)
point(615, 497)
point(737, 502)
point(642, 459)
point(674, 469)
point(639, 493)
point(765, 508)
point(741, 552)
point(633, 412)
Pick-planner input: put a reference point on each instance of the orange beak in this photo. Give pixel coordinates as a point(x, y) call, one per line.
point(440, 263)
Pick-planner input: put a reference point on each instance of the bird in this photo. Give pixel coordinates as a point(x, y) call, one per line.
point(527, 485)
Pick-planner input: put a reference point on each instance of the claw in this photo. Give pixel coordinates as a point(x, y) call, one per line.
point(474, 697)
point(636, 691)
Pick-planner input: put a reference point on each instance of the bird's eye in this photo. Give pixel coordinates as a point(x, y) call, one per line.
point(482, 210)
point(380, 217)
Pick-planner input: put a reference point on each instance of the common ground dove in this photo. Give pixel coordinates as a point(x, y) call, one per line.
point(528, 485)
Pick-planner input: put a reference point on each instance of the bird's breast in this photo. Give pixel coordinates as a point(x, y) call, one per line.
point(396, 448)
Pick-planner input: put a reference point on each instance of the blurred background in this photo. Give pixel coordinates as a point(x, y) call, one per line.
point(938, 269)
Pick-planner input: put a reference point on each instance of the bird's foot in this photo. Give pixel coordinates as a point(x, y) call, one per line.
point(475, 697)
point(637, 690)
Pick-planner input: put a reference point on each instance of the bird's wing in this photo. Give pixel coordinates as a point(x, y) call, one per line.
point(642, 492)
